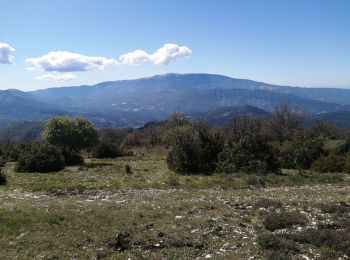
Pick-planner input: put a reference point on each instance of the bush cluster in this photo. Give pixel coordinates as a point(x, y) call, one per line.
point(331, 163)
point(250, 154)
point(301, 151)
point(107, 149)
point(194, 149)
point(255, 145)
point(40, 158)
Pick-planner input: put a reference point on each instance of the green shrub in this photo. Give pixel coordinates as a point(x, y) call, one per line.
point(331, 163)
point(73, 158)
point(250, 154)
point(282, 220)
point(106, 149)
point(40, 158)
point(194, 149)
point(3, 179)
point(11, 150)
point(301, 151)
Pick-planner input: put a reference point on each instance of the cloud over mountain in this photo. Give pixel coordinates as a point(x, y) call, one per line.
point(6, 53)
point(135, 58)
point(163, 56)
point(57, 76)
point(63, 61)
point(60, 64)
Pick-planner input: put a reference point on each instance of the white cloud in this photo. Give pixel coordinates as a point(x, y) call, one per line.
point(170, 52)
point(6, 53)
point(57, 76)
point(63, 61)
point(135, 58)
point(163, 56)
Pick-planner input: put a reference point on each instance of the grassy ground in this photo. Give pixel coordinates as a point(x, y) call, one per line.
point(100, 211)
point(149, 170)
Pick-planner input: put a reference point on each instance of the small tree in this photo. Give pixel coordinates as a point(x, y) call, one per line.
point(133, 139)
point(71, 134)
point(194, 149)
point(284, 123)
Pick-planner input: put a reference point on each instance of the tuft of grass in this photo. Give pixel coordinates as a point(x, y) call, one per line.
point(335, 208)
point(274, 221)
point(277, 243)
point(268, 203)
point(173, 181)
point(256, 181)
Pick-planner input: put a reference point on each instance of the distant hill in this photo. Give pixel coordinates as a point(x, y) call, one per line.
point(25, 131)
point(225, 115)
point(18, 106)
point(117, 90)
point(128, 103)
point(338, 118)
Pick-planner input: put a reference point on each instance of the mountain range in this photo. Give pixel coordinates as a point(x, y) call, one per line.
point(132, 103)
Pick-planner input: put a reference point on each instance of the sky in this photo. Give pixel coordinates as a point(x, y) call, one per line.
point(76, 42)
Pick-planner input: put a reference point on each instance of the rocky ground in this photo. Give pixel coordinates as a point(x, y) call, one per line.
point(306, 222)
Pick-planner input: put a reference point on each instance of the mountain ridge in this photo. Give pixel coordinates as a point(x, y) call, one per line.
point(132, 102)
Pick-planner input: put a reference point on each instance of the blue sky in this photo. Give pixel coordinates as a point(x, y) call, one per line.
point(289, 42)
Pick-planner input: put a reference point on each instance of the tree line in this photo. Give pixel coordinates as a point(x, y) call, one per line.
point(248, 144)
